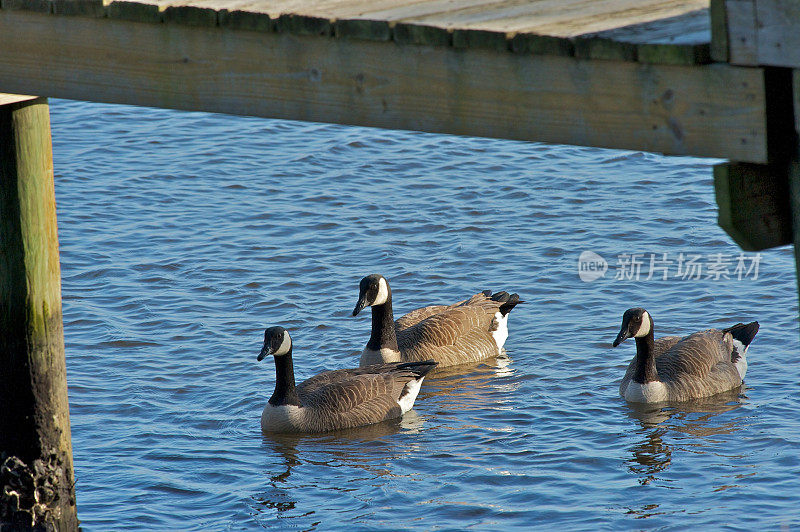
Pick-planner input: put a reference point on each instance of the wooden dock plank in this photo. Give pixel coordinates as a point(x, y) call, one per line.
point(714, 110)
point(559, 18)
point(591, 29)
point(6, 99)
point(742, 35)
point(778, 27)
point(757, 32)
point(719, 31)
point(753, 203)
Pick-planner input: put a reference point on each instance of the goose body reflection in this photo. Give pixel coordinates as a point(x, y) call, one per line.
point(695, 424)
point(338, 399)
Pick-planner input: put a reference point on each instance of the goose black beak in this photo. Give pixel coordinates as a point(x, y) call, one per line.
point(621, 337)
point(265, 351)
point(362, 302)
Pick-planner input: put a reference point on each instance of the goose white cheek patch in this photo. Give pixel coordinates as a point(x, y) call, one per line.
point(286, 344)
point(644, 328)
point(383, 293)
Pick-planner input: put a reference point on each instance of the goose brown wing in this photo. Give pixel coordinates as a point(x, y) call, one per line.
point(371, 389)
point(416, 316)
point(693, 356)
point(458, 335)
point(420, 314)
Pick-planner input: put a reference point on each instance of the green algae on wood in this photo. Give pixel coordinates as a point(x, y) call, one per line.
point(34, 419)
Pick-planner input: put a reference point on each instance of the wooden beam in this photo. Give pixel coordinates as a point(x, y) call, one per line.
point(753, 204)
point(794, 203)
point(778, 27)
point(36, 476)
point(758, 32)
point(710, 110)
point(719, 31)
point(740, 16)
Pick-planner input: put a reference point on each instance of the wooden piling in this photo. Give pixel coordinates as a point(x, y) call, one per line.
point(36, 472)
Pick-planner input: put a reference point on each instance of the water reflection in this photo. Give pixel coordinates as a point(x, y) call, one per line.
point(340, 462)
point(332, 458)
point(469, 386)
point(653, 455)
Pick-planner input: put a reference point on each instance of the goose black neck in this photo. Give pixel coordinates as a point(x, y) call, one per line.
point(383, 335)
point(285, 393)
point(645, 360)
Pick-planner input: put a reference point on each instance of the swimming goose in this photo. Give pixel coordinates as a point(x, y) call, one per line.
point(338, 399)
point(467, 331)
point(675, 368)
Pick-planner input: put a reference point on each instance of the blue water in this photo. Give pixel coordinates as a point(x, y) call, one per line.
point(183, 235)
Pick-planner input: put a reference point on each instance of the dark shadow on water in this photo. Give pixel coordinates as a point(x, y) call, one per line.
point(693, 421)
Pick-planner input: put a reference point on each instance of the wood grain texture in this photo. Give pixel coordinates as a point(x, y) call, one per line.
point(605, 29)
point(778, 27)
point(719, 31)
point(7, 99)
point(85, 8)
point(794, 206)
point(742, 35)
point(712, 110)
point(753, 202)
point(34, 418)
point(760, 32)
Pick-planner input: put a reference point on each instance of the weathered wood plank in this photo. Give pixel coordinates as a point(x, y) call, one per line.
point(760, 32)
point(794, 203)
point(530, 43)
point(586, 28)
point(742, 35)
point(43, 6)
point(596, 47)
point(671, 54)
point(561, 18)
point(133, 11)
point(304, 25)
point(84, 8)
point(190, 15)
point(712, 110)
point(489, 40)
point(34, 418)
point(796, 98)
point(753, 202)
point(365, 29)
point(719, 31)
point(778, 27)
point(677, 40)
point(422, 34)
point(7, 99)
point(245, 19)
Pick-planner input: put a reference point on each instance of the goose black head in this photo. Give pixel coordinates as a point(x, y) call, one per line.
point(373, 290)
point(277, 342)
point(636, 323)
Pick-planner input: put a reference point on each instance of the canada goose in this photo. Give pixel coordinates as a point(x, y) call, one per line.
point(678, 369)
point(466, 331)
point(338, 399)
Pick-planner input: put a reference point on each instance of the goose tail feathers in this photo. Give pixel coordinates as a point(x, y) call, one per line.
point(420, 369)
point(509, 301)
point(743, 333)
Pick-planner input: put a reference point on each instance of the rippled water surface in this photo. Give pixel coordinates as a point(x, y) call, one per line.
point(183, 235)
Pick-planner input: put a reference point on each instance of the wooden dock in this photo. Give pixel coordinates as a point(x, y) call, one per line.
point(680, 77)
point(628, 74)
